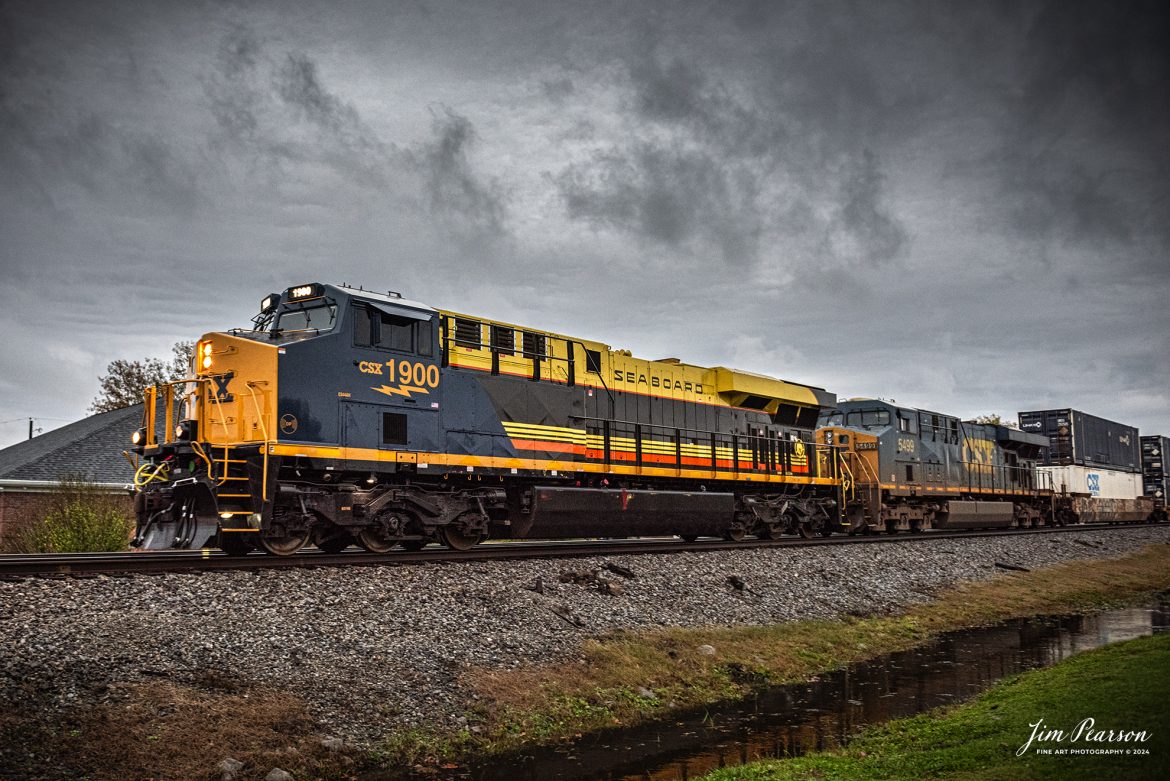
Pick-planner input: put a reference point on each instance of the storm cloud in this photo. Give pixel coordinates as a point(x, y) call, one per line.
point(960, 206)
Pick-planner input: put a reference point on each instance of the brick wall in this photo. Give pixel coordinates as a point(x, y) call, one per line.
point(21, 507)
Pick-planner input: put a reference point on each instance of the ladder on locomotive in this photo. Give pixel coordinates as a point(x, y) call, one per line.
point(869, 491)
point(233, 493)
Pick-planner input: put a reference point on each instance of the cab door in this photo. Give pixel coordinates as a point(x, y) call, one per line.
point(396, 348)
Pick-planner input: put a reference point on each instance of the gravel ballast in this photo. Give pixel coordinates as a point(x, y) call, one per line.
point(375, 648)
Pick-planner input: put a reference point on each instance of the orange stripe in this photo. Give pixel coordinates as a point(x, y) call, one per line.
point(549, 447)
point(494, 462)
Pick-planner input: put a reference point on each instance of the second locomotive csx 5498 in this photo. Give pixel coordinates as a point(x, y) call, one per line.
point(346, 415)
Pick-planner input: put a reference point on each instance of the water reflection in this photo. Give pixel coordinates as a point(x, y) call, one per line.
point(821, 714)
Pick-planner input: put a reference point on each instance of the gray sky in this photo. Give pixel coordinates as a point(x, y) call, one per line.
point(960, 206)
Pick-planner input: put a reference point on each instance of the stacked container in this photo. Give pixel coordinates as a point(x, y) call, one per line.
point(1088, 455)
point(1156, 483)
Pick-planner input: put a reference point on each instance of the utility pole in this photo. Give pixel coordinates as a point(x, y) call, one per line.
point(30, 425)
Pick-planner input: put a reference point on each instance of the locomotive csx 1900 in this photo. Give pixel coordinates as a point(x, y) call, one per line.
point(350, 416)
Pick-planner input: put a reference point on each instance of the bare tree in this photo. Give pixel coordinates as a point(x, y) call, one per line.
point(125, 381)
point(182, 353)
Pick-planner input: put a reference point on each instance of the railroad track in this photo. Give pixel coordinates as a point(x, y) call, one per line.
point(87, 564)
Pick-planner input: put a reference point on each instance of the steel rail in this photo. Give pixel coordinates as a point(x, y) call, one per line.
point(87, 564)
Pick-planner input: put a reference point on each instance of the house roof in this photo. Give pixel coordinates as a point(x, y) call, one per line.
point(90, 448)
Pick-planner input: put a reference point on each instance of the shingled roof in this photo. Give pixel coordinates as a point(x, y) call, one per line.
point(90, 448)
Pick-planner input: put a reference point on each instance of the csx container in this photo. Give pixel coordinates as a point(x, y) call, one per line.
point(1156, 483)
point(1084, 440)
point(1093, 481)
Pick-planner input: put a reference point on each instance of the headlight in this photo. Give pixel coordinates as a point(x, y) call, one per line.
point(269, 303)
point(203, 354)
point(138, 437)
point(185, 430)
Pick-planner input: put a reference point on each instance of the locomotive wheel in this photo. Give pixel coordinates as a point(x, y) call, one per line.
point(735, 534)
point(285, 545)
point(373, 541)
point(235, 543)
point(457, 540)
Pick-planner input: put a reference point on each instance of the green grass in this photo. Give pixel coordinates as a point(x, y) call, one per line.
point(516, 709)
point(1122, 687)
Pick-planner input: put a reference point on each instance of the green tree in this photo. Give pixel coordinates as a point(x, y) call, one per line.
point(77, 518)
point(125, 381)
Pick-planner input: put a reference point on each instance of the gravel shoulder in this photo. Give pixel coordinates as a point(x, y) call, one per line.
point(374, 650)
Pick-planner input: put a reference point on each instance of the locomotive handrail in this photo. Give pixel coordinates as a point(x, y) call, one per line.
point(770, 454)
point(866, 468)
point(599, 373)
point(251, 386)
point(849, 484)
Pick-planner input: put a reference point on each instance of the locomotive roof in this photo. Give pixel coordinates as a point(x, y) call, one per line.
point(590, 343)
point(383, 298)
point(594, 344)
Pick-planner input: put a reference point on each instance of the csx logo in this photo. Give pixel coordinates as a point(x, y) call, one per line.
point(411, 376)
point(222, 394)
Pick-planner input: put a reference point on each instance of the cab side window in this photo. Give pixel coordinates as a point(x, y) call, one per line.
point(363, 327)
point(426, 338)
point(372, 328)
point(395, 333)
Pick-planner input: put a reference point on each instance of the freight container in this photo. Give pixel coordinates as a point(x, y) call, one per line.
point(1085, 440)
point(1092, 481)
point(1156, 481)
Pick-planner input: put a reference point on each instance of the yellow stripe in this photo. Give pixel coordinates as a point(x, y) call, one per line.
point(550, 433)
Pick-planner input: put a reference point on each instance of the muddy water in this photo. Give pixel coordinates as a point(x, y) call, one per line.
point(795, 719)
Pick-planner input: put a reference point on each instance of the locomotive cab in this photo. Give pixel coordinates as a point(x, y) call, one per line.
point(353, 369)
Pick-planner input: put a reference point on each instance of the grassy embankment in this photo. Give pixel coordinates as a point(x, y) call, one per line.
point(1125, 687)
point(638, 676)
point(178, 730)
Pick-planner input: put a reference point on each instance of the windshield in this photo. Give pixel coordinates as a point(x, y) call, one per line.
point(870, 418)
point(318, 316)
